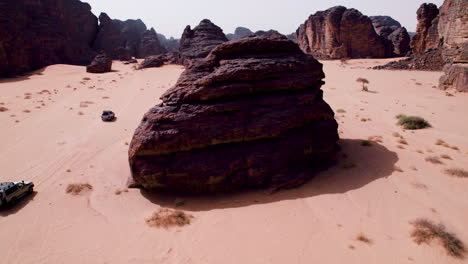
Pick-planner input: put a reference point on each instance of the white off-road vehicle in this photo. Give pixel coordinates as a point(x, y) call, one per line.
point(11, 192)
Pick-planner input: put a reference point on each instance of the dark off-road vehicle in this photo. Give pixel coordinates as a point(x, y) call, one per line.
point(107, 116)
point(11, 192)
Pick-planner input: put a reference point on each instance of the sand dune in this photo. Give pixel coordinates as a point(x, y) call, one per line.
point(55, 138)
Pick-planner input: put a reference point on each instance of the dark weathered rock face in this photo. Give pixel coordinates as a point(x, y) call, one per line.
point(456, 76)
point(453, 30)
point(101, 64)
point(118, 38)
point(427, 36)
point(250, 114)
point(392, 30)
point(442, 38)
point(197, 43)
point(34, 34)
point(341, 33)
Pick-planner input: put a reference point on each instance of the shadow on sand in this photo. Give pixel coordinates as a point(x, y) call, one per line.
point(367, 165)
point(14, 208)
point(24, 76)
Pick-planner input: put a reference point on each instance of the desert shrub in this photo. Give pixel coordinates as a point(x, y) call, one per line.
point(366, 143)
point(349, 165)
point(341, 111)
point(77, 188)
point(363, 238)
point(425, 231)
point(455, 172)
point(412, 122)
point(169, 218)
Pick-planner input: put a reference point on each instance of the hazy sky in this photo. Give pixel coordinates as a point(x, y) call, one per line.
point(170, 17)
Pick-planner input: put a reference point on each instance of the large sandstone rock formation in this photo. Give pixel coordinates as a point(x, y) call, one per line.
point(120, 38)
point(341, 33)
point(169, 44)
point(251, 114)
point(197, 43)
point(427, 36)
point(34, 34)
point(396, 35)
point(441, 39)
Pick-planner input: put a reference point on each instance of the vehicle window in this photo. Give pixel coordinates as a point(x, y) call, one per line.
point(11, 190)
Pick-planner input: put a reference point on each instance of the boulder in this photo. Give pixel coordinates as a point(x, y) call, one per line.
point(126, 38)
point(197, 43)
point(456, 77)
point(101, 64)
point(396, 35)
point(251, 114)
point(35, 34)
point(341, 33)
point(427, 36)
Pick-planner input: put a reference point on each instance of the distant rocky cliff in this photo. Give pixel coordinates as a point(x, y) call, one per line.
point(441, 42)
point(34, 34)
point(242, 32)
point(341, 33)
point(121, 39)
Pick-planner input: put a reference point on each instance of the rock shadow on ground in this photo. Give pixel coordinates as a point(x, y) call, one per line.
point(368, 165)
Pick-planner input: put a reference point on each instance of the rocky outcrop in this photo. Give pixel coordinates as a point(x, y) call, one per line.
point(441, 38)
point(197, 43)
point(341, 33)
point(101, 64)
point(430, 60)
point(119, 38)
point(240, 32)
point(394, 33)
point(35, 34)
point(427, 36)
point(169, 44)
point(159, 60)
point(456, 76)
point(250, 114)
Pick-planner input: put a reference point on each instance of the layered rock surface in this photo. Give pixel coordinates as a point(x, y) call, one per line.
point(251, 114)
point(122, 38)
point(197, 43)
point(34, 34)
point(341, 33)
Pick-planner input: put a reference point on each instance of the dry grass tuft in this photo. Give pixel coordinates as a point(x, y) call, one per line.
point(169, 218)
point(412, 122)
point(425, 231)
point(120, 191)
point(402, 141)
point(77, 188)
point(363, 238)
point(455, 172)
point(396, 134)
point(434, 160)
point(3, 109)
point(341, 111)
point(445, 156)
